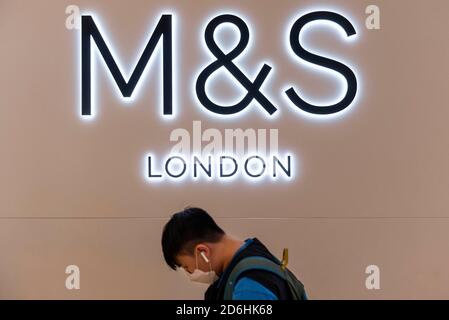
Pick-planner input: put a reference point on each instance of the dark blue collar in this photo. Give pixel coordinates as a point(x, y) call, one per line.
point(242, 247)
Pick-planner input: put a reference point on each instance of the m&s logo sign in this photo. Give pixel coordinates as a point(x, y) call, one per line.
point(162, 35)
point(211, 154)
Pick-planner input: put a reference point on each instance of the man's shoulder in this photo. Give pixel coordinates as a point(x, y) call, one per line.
point(267, 279)
point(248, 289)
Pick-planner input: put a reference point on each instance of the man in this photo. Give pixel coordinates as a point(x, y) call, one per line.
point(234, 269)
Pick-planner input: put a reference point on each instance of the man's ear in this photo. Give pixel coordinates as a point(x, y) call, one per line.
point(202, 248)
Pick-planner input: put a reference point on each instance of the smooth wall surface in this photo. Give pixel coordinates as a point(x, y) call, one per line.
point(371, 186)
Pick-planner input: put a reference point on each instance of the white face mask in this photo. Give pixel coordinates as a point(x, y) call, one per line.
point(201, 276)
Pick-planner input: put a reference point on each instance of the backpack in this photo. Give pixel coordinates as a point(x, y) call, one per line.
point(260, 263)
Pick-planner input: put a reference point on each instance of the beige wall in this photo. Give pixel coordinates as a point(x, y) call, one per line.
point(372, 187)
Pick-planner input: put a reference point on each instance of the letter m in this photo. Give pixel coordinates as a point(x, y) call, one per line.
point(90, 31)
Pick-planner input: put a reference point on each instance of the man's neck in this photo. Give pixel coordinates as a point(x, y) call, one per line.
point(230, 246)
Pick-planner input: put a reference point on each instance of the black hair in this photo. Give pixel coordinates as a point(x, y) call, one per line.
point(185, 230)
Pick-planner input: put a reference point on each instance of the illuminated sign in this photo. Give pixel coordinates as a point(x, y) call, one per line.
point(250, 154)
point(220, 164)
point(163, 33)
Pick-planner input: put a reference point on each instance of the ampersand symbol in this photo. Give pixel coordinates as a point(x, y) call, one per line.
point(225, 60)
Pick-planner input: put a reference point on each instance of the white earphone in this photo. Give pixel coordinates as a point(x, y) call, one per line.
point(204, 256)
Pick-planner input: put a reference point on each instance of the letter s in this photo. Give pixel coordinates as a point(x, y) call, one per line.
point(322, 61)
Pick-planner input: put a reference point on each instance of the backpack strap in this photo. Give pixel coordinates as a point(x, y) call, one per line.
point(251, 263)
